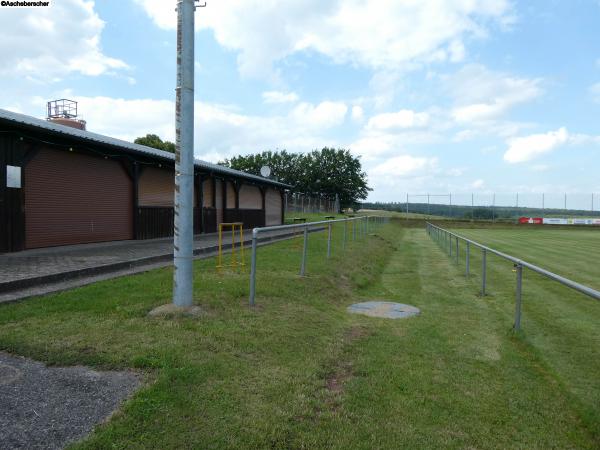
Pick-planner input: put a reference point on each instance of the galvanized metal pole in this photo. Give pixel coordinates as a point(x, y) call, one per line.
point(183, 241)
point(354, 230)
point(468, 259)
point(457, 251)
point(345, 232)
point(483, 271)
point(543, 205)
point(304, 250)
point(518, 297)
point(329, 240)
point(253, 267)
point(472, 207)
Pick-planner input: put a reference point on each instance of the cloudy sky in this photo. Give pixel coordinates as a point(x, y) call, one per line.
point(434, 95)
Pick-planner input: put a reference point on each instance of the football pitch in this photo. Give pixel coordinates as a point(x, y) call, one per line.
point(560, 324)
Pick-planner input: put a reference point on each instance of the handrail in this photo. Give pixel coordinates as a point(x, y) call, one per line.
point(570, 283)
point(362, 230)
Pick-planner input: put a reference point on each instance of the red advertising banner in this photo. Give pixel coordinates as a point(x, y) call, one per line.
point(531, 220)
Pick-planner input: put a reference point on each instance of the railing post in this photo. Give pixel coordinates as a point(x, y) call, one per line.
point(483, 271)
point(304, 250)
point(253, 267)
point(329, 240)
point(450, 243)
point(518, 297)
point(457, 250)
point(468, 259)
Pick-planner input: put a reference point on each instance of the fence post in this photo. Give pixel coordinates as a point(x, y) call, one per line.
point(329, 240)
point(468, 259)
point(457, 250)
point(518, 297)
point(483, 271)
point(353, 229)
point(253, 267)
point(345, 231)
point(450, 243)
point(304, 249)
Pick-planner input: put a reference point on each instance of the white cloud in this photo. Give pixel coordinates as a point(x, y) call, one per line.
point(477, 184)
point(482, 95)
point(526, 148)
point(404, 166)
point(46, 44)
point(399, 120)
point(358, 113)
point(324, 115)
point(221, 130)
point(128, 119)
point(373, 33)
point(595, 92)
point(280, 97)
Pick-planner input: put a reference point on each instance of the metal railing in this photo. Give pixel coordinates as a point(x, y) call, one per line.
point(449, 241)
point(361, 226)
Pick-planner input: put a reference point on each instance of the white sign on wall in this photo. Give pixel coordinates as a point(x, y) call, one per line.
point(13, 177)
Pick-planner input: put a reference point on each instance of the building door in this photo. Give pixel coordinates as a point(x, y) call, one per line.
point(273, 207)
point(74, 198)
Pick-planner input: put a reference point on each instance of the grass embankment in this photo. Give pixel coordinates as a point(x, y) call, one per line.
point(298, 371)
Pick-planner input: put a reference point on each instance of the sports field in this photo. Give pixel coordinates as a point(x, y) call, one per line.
point(298, 371)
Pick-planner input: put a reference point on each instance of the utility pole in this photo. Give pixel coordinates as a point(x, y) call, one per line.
point(183, 240)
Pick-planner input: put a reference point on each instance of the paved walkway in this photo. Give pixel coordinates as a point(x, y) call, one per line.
point(39, 271)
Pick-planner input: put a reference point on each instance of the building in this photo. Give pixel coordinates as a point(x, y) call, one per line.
point(61, 185)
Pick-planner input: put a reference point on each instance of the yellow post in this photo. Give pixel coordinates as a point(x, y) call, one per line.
point(233, 261)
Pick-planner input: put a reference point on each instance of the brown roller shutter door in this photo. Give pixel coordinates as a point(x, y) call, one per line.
point(73, 198)
point(273, 207)
point(250, 197)
point(207, 192)
point(230, 199)
point(219, 200)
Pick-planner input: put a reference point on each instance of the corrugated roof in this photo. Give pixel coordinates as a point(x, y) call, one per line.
point(29, 121)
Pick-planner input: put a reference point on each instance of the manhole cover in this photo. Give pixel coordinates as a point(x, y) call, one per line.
point(8, 374)
point(388, 310)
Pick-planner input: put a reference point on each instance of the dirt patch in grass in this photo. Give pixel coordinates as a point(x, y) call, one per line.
point(342, 368)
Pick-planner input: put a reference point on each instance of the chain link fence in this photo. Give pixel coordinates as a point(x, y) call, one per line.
point(310, 203)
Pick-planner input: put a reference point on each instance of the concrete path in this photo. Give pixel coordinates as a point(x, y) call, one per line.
point(50, 407)
point(40, 271)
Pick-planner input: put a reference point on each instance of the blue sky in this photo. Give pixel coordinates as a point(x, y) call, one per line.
point(435, 96)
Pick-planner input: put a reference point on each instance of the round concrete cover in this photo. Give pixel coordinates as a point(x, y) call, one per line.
point(388, 310)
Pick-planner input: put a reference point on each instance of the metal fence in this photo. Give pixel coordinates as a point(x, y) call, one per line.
point(307, 203)
point(361, 227)
point(450, 243)
point(495, 206)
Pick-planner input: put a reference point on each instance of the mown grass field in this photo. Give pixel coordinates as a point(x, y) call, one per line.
point(297, 371)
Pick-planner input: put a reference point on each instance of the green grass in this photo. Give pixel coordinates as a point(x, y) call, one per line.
point(297, 371)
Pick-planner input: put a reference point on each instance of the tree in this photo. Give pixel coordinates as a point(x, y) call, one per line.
point(154, 141)
point(328, 171)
